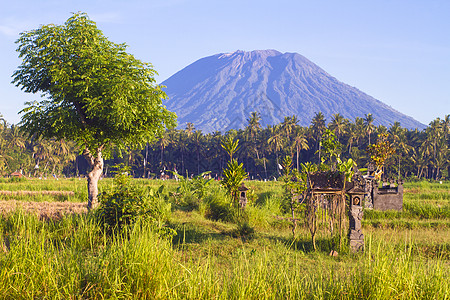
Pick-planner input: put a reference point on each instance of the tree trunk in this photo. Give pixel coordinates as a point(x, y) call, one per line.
point(265, 168)
point(96, 170)
point(278, 164)
point(198, 162)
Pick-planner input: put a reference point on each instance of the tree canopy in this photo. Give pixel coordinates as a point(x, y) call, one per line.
point(95, 93)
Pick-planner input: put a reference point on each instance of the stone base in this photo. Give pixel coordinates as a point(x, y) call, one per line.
point(355, 235)
point(357, 245)
point(368, 205)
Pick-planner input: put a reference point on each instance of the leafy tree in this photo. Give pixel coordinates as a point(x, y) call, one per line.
point(379, 153)
point(230, 145)
point(331, 149)
point(234, 174)
point(295, 185)
point(96, 94)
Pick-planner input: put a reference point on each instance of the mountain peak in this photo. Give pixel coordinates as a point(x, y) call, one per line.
point(218, 93)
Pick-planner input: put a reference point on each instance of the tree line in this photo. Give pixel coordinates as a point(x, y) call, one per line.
point(419, 154)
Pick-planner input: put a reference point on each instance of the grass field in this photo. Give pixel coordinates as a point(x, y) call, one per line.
point(407, 253)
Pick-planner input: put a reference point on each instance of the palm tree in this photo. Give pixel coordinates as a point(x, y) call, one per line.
point(288, 126)
point(434, 133)
point(163, 142)
point(419, 159)
point(400, 143)
point(300, 142)
point(253, 125)
point(338, 125)
point(183, 146)
point(252, 130)
point(16, 138)
point(359, 129)
point(317, 129)
point(352, 136)
point(64, 151)
point(368, 123)
point(275, 141)
point(42, 152)
point(189, 129)
point(446, 126)
point(441, 157)
point(197, 138)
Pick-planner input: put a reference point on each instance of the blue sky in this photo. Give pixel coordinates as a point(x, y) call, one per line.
point(396, 51)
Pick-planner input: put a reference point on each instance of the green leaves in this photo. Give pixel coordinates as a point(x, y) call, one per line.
point(347, 168)
point(331, 148)
point(124, 203)
point(230, 145)
point(233, 176)
point(97, 94)
point(380, 152)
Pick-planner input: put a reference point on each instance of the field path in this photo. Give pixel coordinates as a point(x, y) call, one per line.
point(46, 210)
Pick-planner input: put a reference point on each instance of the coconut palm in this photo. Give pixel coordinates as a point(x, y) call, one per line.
point(189, 129)
point(317, 129)
point(338, 125)
point(197, 139)
point(288, 125)
point(368, 124)
point(163, 142)
point(300, 142)
point(275, 141)
point(400, 144)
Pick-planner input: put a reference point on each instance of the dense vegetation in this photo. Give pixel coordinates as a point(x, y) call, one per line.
point(418, 154)
point(202, 255)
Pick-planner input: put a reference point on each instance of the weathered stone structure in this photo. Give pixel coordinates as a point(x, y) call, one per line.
point(330, 190)
point(356, 194)
point(388, 197)
point(243, 196)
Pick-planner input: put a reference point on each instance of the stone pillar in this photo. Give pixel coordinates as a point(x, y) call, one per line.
point(355, 235)
point(368, 204)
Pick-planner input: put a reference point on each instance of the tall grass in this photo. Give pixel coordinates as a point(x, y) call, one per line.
point(71, 258)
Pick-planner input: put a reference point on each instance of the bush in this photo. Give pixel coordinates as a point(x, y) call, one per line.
point(124, 203)
point(191, 192)
point(218, 207)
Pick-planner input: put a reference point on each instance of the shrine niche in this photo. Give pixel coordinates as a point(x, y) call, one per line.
point(356, 194)
point(327, 197)
point(243, 196)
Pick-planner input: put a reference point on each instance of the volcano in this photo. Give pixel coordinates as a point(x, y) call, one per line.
point(219, 92)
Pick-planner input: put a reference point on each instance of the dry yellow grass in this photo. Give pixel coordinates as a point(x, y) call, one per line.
point(62, 193)
point(45, 210)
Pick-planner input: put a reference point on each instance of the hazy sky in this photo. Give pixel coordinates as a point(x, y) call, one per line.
point(396, 51)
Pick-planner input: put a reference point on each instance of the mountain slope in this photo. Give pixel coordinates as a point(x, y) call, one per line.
point(218, 93)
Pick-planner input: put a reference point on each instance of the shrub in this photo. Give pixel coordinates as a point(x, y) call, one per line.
point(124, 203)
point(191, 192)
point(218, 208)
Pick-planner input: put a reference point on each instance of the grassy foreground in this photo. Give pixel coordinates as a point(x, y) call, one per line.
point(407, 255)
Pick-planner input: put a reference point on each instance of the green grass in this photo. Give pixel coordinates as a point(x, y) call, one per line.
point(71, 258)
point(407, 254)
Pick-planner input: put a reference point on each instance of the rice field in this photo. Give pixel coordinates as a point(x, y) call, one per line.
point(68, 255)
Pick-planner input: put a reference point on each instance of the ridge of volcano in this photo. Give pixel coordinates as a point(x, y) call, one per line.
point(218, 92)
